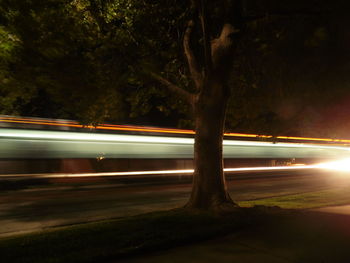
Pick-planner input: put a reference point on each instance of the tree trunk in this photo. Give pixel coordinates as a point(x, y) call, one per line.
point(209, 188)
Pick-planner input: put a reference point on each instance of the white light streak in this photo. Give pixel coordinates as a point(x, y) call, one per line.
point(99, 137)
point(270, 168)
point(80, 136)
point(342, 165)
point(166, 172)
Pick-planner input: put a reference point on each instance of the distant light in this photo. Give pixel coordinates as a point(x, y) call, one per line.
point(340, 165)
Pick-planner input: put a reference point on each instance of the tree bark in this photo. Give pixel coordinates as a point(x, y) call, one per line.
point(209, 191)
point(209, 188)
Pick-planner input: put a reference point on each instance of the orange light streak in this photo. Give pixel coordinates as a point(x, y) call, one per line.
point(311, 139)
point(75, 124)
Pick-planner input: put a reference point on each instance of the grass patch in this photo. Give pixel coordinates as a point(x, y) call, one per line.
point(110, 240)
point(115, 239)
point(331, 197)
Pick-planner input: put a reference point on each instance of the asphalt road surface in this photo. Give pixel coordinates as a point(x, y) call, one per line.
point(28, 204)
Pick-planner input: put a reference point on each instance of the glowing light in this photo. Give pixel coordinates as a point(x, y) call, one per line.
point(341, 165)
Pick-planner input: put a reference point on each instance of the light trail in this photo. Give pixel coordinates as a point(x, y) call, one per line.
point(341, 165)
point(323, 166)
point(33, 143)
point(165, 172)
point(312, 139)
point(21, 143)
point(74, 124)
point(78, 136)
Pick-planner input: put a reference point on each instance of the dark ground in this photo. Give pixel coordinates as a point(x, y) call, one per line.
point(303, 237)
point(70, 201)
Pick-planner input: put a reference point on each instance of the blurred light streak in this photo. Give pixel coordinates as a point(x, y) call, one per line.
point(341, 165)
point(24, 143)
point(165, 172)
point(74, 124)
point(79, 136)
point(312, 139)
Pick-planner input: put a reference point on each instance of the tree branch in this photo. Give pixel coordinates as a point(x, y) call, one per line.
point(97, 13)
point(172, 87)
point(192, 62)
point(207, 47)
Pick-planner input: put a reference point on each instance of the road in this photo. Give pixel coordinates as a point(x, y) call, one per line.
point(33, 204)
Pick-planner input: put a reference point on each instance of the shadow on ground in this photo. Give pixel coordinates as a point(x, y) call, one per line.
point(303, 237)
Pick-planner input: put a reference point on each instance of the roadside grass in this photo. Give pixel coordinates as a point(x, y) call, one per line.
point(330, 197)
point(299, 236)
point(117, 239)
point(113, 239)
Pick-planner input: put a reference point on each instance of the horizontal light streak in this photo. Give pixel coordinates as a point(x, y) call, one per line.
point(165, 172)
point(82, 136)
point(102, 126)
point(312, 139)
point(340, 165)
point(120, 138)
point(74, 124)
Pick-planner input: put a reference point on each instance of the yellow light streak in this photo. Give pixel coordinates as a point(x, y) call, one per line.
point(312, 139)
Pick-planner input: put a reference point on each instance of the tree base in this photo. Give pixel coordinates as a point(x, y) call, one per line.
point(221, 207)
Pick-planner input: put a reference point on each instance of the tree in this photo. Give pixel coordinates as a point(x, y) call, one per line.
point(209, 105)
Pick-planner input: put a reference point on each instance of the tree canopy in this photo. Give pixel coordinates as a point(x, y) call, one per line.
point(90, 59)
point(87, 56)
